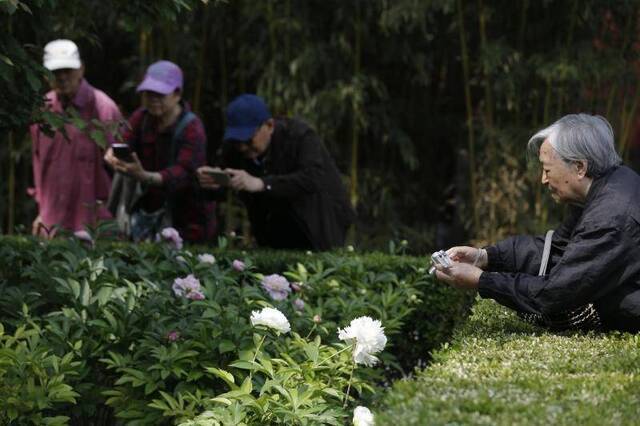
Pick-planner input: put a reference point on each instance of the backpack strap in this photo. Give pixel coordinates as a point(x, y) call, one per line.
point(545, 253)
point(187, 118)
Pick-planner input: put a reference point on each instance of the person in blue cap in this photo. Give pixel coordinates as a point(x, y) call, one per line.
point(291, 187)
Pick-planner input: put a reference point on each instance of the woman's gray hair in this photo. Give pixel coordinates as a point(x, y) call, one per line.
point(578, 137)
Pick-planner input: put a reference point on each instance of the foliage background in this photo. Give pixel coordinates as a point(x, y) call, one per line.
point(425, 104)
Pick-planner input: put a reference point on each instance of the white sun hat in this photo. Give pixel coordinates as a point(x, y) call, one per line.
point(60, 54)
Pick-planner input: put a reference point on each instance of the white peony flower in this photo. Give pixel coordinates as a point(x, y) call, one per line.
point(362, 416)
point(368, 336)
point(206, 258)
point(271, 318)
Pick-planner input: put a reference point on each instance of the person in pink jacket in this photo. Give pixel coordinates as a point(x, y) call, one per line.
point(70, 178)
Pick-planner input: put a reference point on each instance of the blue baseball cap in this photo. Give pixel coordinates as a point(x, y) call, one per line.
point(244, 115)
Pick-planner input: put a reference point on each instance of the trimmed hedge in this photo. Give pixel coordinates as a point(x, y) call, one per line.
point(499, 370)
point(110, 310)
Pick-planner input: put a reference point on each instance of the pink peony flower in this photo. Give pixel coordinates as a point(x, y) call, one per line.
point(296, 286)
point(173, 236)
point(298, 304)
point(238, 265)
point(195, 295)
point(277, 286)
point(172, 336)
point(188, 287)
point(317, 319)
point(84, 236)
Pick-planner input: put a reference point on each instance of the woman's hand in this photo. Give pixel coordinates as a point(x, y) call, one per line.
point(131, 168)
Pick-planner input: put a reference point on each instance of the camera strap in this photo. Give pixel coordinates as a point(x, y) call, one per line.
point(546, 251)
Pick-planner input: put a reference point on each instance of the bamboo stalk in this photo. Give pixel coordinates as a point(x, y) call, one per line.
point(142, 47)
point(11, 186)
point(623, 145)
point(488, 114)
point(488, 98)
point(467, 97)
point(197, 89)
point(521, 32)
point(224, 99)
point(356, 109)
point(273, 46)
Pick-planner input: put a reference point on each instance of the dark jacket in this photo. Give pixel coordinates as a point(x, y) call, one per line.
point(595, 258)
point(302, 184)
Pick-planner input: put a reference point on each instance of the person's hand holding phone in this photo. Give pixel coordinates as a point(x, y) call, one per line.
point(243, 181)
point(212, 177)
point(122, 152)
point(131, 166)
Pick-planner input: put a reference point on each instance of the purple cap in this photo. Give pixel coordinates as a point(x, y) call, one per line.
point(244, 115)
point(162, 77)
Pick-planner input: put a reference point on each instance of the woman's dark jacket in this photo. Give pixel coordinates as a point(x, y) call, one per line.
point(303, 188)
point(595, 258)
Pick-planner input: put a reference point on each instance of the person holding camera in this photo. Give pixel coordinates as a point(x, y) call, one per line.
point(285, 176)
point(587, 274)
point(164, 145)
point(69, 175)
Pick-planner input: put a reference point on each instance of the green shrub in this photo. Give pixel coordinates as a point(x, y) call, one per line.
point(32, 379)
point(148, 354)
point(499, 370)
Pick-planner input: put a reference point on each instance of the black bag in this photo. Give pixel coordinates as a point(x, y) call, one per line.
point(582, 318)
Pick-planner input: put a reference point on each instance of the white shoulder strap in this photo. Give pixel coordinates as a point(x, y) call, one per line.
point(546, 252)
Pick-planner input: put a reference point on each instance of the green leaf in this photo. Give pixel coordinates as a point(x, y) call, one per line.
point(226, 346)
point(34, 81)
point(224, 401)
point(6, 59)
point(98, 136)
point(103, 295)
point(224, 375)
point(74, 286)
point(86, 294)
point(247, 385)
point(247, 365)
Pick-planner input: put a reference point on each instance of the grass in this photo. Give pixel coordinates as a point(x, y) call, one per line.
point(498, 370)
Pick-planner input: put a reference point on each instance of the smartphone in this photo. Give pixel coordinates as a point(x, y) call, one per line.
point(220, 178)
point(122, 152)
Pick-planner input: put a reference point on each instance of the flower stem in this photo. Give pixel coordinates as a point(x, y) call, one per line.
point(339, 352)
point(346, 397)
point(255, 355)
point(310, 331)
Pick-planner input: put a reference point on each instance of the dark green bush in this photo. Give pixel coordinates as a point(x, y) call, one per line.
point(112, 307)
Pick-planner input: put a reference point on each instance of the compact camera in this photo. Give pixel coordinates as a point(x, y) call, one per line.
point(440, 258)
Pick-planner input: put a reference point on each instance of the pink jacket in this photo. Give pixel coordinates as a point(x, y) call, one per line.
point(70, 178)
